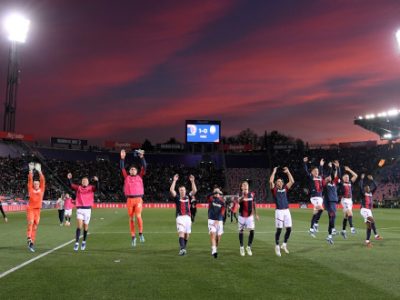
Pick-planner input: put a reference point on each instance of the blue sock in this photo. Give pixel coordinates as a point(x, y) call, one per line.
point(182, 243)
point(78, 233)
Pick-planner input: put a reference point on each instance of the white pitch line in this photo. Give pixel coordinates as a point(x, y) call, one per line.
point(34, 259)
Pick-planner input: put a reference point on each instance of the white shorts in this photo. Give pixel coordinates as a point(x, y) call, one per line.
point(184, 224)
point(84, 214)
point(347, 204)
point(365, 212)
point(283, 218)
point(316, 201)
point(216, 227)
point(68, 212)
point(246, 223)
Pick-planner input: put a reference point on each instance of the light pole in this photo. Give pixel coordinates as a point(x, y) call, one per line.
point(17, 28)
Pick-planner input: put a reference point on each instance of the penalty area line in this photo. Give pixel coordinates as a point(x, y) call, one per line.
point(34, 259)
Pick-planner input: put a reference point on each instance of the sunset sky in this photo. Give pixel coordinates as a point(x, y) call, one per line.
point(130, 70)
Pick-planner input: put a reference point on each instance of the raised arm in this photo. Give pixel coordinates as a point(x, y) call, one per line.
point(143, 163)
point(290, 177)
point(354, 176)
point(30, 175)
point(173, 185)
point(122, 163)
point(361, 183)
point(374, 186)
point(38, 168)
point(96, 187)
point(321, 167)
point(305, 162)
point(193, 183)
point(72, 185)
point(272, 178)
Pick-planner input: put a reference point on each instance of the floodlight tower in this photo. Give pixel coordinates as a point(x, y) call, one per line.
point(16, 27)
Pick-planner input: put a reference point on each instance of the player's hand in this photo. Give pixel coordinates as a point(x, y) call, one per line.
point(69, 176)
point(38, 167)
point(370, 177)
point(141, 153)
point(176, 177)
point(31, 166)
point(330, 164)
point(191, 178)
point(305, 159)
point(95, 178)
point(321, 162)
point(362, 176)
point(285, 170)
point(346, 168)
point(275, 169)
point(336, 163)
point(123, 154)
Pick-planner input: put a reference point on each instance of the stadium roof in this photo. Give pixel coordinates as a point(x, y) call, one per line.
point(385, 124)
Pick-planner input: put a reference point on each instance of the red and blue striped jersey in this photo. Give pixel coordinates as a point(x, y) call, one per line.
point(247, 204)
point(182, 205)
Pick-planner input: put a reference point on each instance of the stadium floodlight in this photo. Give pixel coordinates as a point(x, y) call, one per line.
point(17, 27)
point(398, 37)
point(393, 112)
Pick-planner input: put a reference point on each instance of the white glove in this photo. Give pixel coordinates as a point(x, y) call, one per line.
point(38, 167)
point(31, 166)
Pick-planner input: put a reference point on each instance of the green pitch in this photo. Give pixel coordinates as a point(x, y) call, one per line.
point(111, 269)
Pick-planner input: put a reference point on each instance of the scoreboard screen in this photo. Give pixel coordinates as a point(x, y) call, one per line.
point(198, 131)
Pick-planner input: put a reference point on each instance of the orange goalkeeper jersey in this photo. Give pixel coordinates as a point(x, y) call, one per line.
point(35, 196)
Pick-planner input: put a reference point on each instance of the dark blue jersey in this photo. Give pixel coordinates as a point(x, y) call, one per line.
point(182, 205)
point(314, 183)
point(330, 191)
point(280, 197)
point(216, 208)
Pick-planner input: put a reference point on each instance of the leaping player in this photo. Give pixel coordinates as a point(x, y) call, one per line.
point(315, 189)
point(346, 191)
point(84, 201)
point(134, 191)
point(282, 214)
point(367, 190)
point(331, 198)
point(36, 191)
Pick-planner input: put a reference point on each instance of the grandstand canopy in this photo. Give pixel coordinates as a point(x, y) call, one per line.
point(385, 124)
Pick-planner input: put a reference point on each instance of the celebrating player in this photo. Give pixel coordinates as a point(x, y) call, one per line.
point(366, 207)
point(68, 206)
point(331, 198)
point(345, 189)
point(183, 214)
point(36, 191)
point(134, 191)
point(315, 189)
point(247, 210)
point(282, 214)
point(84, 201)
point(216, 214)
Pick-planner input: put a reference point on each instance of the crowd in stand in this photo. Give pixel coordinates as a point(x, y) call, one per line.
point(159, 175)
